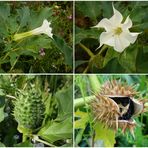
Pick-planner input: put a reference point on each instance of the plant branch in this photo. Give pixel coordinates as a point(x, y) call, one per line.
point(86, 69)
point(87, 50)
point(11, 97)
point(80, 101)
point(35, 137)
point(103, 49)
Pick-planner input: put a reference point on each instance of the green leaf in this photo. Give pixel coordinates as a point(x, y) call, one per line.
point(82, 121)
point(4, 11)
point(2, 101)
point(24, 15)
point(34, 43)
point(107, 9)
point(65, 95)
point(79, 136)
point(37, 19)
point(12, 25)
point(89, 33)
point(2, 105)
point(13, 58)
point(80, 62)
point(128, 58)
point(110, 54)
point(65, 49)
point(107, 135)
point(90, 9)
point(54, 131)
point(145, 49)
point(2, 114)
point(138, 17)
point(24, 144)
point(2, 145)
point(27, 52)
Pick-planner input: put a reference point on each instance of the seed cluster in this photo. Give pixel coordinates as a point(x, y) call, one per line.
point(29, 109)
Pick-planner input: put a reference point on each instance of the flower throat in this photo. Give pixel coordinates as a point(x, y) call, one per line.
point(118, 31)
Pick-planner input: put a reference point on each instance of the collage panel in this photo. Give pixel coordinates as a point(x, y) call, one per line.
point(36, 110)
point(111, 37)
point(36, 37)
point(111, 111)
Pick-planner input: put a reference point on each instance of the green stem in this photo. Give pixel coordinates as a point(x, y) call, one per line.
point(86, 69)
point(42, 141)
point(81, 102)
point(95, 84)
point(89, 65)
point(24, 137)
point(11, 97)
point(13, 50)
point(146, 104)
point(14, 63)
point(92, 55)
point(87, 50)
point(103, 49)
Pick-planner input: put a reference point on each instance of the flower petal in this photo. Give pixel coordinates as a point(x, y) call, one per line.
point(131, 37)
point(104, 23)
point(46, 28)
point(107, 38)
point(120, 43)
point(117, 18)
point(127, 24)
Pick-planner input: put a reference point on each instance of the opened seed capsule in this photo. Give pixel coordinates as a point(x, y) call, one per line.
point(115, 106)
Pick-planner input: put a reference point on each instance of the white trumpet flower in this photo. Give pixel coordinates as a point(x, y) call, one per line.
point(44, 29)
point(117, 33)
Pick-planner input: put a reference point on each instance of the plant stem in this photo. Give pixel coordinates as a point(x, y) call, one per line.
point(91, 54)
point(95, 84)
point(42, 141)
point(11, 97)
point(87, 50)
point(103, 49)
point(86, 69)
point(93, 139)
point(14, 63)
point(24, 137)
point(95, 87)
point(13, 50)
point(80, 101)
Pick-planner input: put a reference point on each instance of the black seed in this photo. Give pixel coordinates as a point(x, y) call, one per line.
point(124, 101)
point(121, 100)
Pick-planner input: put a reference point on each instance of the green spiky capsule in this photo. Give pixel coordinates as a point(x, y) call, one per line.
point(29, 109)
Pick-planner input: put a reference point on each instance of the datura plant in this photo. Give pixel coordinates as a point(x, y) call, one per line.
point(29, 110)
point(117, 34)
point(116, 105)
point(43, 29)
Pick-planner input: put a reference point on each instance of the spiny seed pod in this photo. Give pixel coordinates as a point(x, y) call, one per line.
point(115, 106)
point(29, 109)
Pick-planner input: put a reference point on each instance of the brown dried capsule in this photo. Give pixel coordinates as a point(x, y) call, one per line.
point(115, 106)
